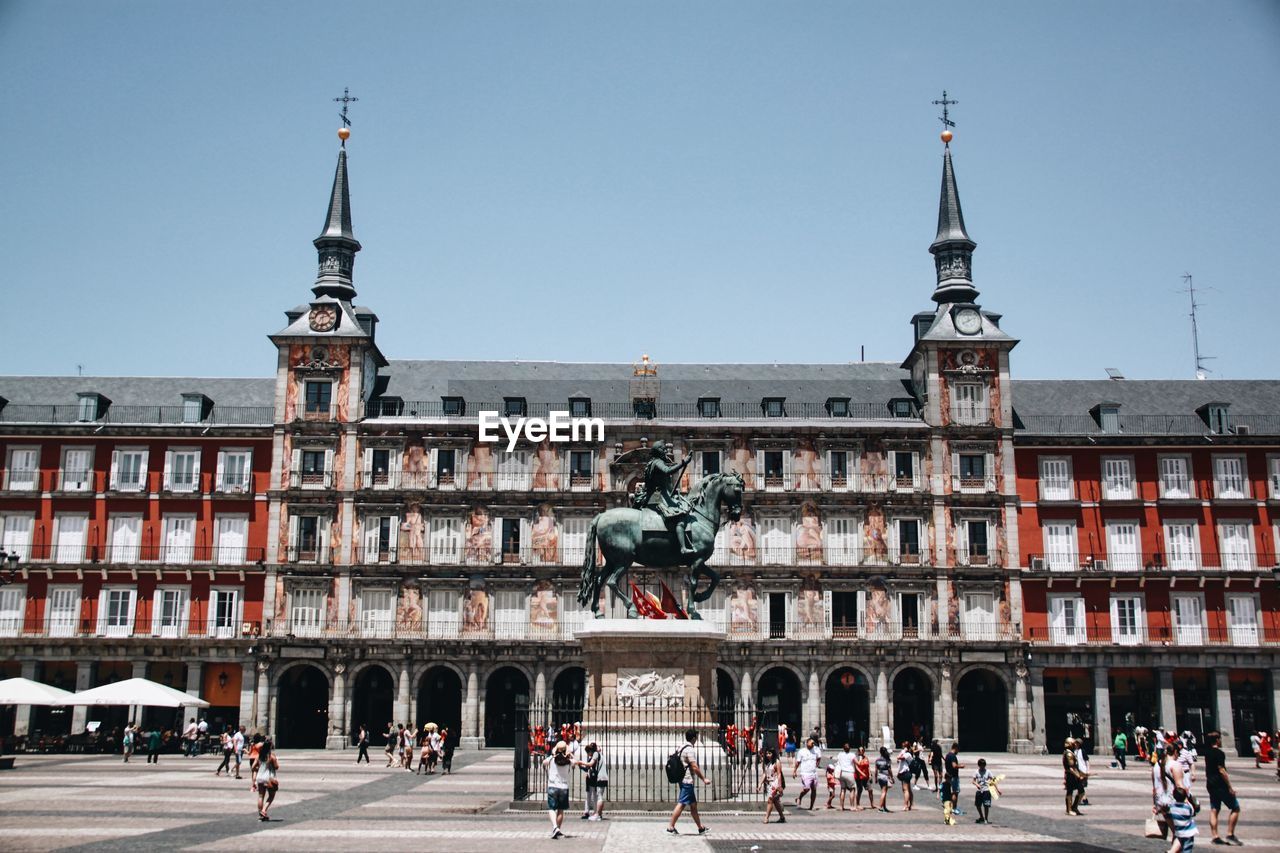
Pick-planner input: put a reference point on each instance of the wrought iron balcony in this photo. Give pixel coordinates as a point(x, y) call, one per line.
point(18, 413)
point(438, 410)
point(57, 626)
point(1154, 562)
point(1105, 634)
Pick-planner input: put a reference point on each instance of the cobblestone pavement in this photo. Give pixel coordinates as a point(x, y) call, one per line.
point(326, 802)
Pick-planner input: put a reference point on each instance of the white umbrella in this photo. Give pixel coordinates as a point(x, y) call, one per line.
point(24, 691)
point(138, 691)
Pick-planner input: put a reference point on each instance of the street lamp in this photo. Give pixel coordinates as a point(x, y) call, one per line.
point(8, 567)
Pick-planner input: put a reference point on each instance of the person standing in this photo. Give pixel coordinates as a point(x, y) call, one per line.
point(1119, 747)
point(237, 746)
point(1072, 777)
point(884, 776)
point(558, 764)
point(202, 735)
point(1221, 791)
point(904, 776)
point(772, 782)
point(951, 768)
point(362, 741)
point(393, 738)
point(832, 782)
point(984, 781)
point(844, 772)
point(265, 778)
point(189, 739)
point(935, 762)
point(806, 767)
point(1255, 744)
point(862, 780)
point(225, 743)
point(128, 740)
point(687, 796)
point(1082, 761)
point(597, 782)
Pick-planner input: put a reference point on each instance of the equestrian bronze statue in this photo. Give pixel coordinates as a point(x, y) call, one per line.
point(662, 529)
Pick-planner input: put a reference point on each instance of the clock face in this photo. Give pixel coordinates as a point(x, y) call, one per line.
point(968, 322)
point(323, 318)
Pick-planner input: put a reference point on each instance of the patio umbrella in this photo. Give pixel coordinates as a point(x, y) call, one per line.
point(24, 691)
point(137, 691)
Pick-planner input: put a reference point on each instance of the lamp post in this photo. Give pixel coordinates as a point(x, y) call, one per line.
point(8, 567)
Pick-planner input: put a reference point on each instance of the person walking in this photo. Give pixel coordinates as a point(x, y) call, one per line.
point(1072, 777)
point(832, 782)
point(884, 776)
point(265, 778)
point(189, 739)
point(128, 740)
point(237, 746)
point(806, 767)
point(393, 738)
point(951, 768)
point(904, 776)
point(844, 772)
point(1162, 787)
point(773, 782)
point(984, 781)
point(597, 782)
point(225, 742)
point(862, 780)
point(687, 797)
point(557, 765)
point(918, 766)
point(1082, 761)
point(362, 741)
point(935, 762)
point(1119, 747)
point(1182, 820)
point(154, 741)
point(1221, 791)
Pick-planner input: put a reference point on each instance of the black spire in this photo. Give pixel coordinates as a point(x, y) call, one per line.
point(337, 245)
point(952, 249)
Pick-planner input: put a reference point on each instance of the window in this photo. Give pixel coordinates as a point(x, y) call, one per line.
point(446, 540)
point(1117, 479)
point(904, 544)
point(773, 407)
point(224, 612)
point(708, 407)
point(1123, 550)
point(1229, 478)
point(1060, 546)
point(708, 463)
point(580, 407)
point(903, 409)
point(319, 397)
point(182, 470)
point(233, 471)
point(62, 616)
point(774, 469)
point(1066, 620)
point(124, 538)
point(843, 541)
point(580, 464)
point(645, 408)
point(979, 618)
point(1273, 477)
point(87, 407)
point(775, 540)
point(1175, 478)
point(969, 406)
point(446, 469)
point(453, 406)
point(573, 540)
point(179, 538)
point(1182, 552)
point(973, 466)
point(838, 469)
point(232, 533)
point(69, 538)
point(1236, 545)
point(312, 467)
point(1055, 479)
point(129, 469)
point(1109, 418)
point(169, 612)
point(1242, 619)
point(306, 538)
point(509, 543)
point(377, 612)
point(379, 466)
point(904, 469)
point(192, 408)
point(13, 600)
point(1219, 422)
point(1188, 619)
point(514, 407)
point(442, 613)
point(1127, 620)
point(838, 407)
point(513, 471)
point(306, 611)
point(115, 611)
point(975, 551)
point(380, 535)
point(77, 469)
point(21, 474)
point(15, 534)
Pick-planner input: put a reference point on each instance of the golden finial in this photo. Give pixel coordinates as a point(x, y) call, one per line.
point(344, 133)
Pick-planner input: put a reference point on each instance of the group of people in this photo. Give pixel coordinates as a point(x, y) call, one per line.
point(1175, 805)
point(559, 764)
point(1263, 746)
point(134, 739)
point(431, 745)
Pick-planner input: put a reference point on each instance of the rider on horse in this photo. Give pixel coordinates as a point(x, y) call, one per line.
point(662, 492)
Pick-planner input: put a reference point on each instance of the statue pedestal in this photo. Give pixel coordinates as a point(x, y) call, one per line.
point(648, 682)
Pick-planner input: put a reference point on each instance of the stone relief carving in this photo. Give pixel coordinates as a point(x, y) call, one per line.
point(650, 688)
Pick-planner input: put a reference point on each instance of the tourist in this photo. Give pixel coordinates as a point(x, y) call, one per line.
point(127, 741)
point(265, 778)
point(884, 776)
point(237, 746)
point(904, 776)
point(832, 781)
point(393, 740)
point(1255, 744)
point(224, 741)
point(189, 738)
point(155, 740)
point(1082, 761)
point(597, 782)
point(1182, 820)
point(1221, 791)
point(687, 796)
point(844, 771)
point(772, 782)
point(362, 741)
point(1072, 777)
point(984, 781)
point(446, 756)
point(557, 765)
point(202, 733)
point(935, 762)
point(806, 766)
point(395, 746)
point(424, 760)
point(437, 744)
point(1120, 746)
point(862, 780)
point(918, 766)
point(951, 767)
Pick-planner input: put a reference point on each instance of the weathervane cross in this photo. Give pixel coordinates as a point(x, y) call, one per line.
point(945, 118)
point(347, 99)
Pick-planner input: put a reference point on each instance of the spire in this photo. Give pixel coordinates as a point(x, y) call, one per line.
point(337, 245)
point(952, 249)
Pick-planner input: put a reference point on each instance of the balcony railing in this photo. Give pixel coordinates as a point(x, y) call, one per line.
point(1156, 562)
point(1142, 635)
point(435, 626)
point(17, 413)
point(192, 629)
point(435, 410)
point(1181, 424)
point(311, 479)
point(872, 631)
point(149, 554)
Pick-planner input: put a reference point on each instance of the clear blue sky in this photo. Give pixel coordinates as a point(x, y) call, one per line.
point(529, 179)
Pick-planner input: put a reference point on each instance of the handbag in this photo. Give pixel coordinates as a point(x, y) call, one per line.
point(1152, 829)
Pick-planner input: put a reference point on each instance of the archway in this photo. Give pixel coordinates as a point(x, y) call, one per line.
point(780, 701)
point(302, 708)
point(912, 706)
point(726, 689)
point(504, 688)
point(983, 707)
point(848, 708)
point(569, 690)
point(440, 700)
point(372, 700)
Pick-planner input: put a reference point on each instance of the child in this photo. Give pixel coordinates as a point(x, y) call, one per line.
point(984, 781)
point(1182, 819)
point(831, 785)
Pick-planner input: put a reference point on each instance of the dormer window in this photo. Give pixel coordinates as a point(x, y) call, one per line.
point(773, 407)
point(644, 407)
point(514, 407)
point(902, 408)
point(1219, 421)
point(1109, 417)
point(193, 408)
point(90, 407)
point(453, 406)
point(708, 407)
point(580, 407)
point(838, 407)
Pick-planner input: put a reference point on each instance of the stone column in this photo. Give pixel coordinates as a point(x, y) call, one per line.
point(1168, 706)
point(471, 710)
point(879, 708)
point(1222, 709)
point(22, 713)
point(337, 737)
point(84, 679)
point(262, 703)
point(947, 702)
point(248, 698)
point(1020, 727)
point(748, 692)
point(139, 669)
point(402, 693)
point(1101, 712)
point(813, 707)
point(540, 685)
point(1039, 739)
point(194, 671)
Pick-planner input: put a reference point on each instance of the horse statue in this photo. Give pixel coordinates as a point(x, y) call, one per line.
point(627, 535)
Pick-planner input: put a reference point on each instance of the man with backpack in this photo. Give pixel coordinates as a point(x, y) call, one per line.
point(682, 768)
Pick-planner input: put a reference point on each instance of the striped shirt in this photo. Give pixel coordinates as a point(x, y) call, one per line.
point(1183, 820)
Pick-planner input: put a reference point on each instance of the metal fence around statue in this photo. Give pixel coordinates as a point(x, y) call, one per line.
point(635, 742)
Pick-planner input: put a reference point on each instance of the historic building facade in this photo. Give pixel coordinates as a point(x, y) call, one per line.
point(929, 546)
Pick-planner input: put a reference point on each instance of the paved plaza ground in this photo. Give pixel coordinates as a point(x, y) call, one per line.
point(326, 802)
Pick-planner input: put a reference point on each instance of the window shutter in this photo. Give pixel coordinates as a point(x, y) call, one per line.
point(366, 467)
point(526, 534)
point(102, 612)
point(142, 471)
point(323, 550)
point(133, 611)
point(329, 478)
point(564, 468)
point(293, 535)
point(221, 472)
point(195, 468)
point(760, 470)
point(168, 470)
point(115, 469)
point(370, 539)
point(893, 539)
point(915, 469)
point(989, 473)
point(295, 467)
point(788, 469)
point(955, 470)
point(496, 538)
point(460, 459)
point(433, 459)
point(826, 613)
point(393, 547)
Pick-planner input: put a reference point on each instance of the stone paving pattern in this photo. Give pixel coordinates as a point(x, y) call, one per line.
point(326, 802)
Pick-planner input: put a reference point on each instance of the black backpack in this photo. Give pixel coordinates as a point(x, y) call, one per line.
point(675, 767)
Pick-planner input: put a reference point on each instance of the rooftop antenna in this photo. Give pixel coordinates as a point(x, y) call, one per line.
point(1201, 370)
point(79, 370)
